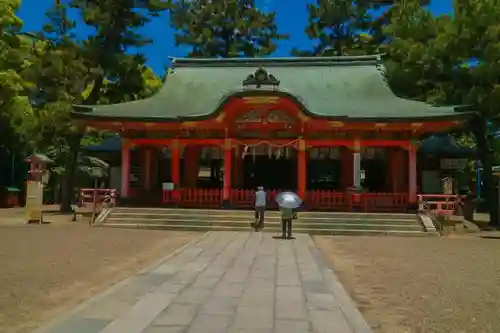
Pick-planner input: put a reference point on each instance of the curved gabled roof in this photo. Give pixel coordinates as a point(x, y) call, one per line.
point(347, 88)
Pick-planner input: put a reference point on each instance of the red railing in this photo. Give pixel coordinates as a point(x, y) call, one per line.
point(367, 202)
point(384, 202)
point(315, 200)
point(438, 204)
point(194, 197)
point(245, 198)
point(327, 200)
point(242, 198)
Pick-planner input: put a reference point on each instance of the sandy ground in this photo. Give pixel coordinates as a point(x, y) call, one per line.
point(48, 269)
point(421, 285)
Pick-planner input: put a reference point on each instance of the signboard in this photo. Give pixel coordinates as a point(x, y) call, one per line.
point(168, 186)
point(448, 185)
point(46, 177)
point(453, 163)
point(97, 172)
point(34, 201)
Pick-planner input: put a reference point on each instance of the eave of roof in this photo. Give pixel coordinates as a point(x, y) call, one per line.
point(335, 88)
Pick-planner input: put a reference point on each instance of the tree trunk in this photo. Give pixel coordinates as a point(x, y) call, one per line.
point(67, 194)
point(483, 141)
point(67, 191)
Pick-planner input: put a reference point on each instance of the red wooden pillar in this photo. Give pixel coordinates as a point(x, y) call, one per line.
point(147, 156)
point(346, 160)
point(412, 173)
point(356, 169)
point(393, 169)
point(237, 170)
point(191, 154)
point(175, 158)
point(226, 189)
point(154, 167)
point(302, 169)
point(125, 176)
point(402, 173)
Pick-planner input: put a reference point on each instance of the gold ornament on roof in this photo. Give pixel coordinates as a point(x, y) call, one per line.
point(261, 78)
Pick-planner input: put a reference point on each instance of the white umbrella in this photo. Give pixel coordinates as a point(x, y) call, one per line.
point(289, 200)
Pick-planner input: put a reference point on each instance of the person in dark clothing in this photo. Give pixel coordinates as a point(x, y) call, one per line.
point(287, 215)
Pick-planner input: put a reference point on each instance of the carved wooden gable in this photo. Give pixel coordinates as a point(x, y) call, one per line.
point(256, 116)
point(277, 116)
point(252, 116)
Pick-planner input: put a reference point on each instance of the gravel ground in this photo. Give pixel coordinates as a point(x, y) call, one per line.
point(48, 269)
point(421, 285)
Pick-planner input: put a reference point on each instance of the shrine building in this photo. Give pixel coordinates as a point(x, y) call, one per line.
point(329, 128)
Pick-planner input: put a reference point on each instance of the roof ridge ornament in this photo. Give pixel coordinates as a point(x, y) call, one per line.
point(261, 78)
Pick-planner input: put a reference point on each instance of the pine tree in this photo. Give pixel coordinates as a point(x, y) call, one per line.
point(339, 27)
point(232, 28)
point(14, 86)
point(452, 61)
point(94, 71)
point(116, 23)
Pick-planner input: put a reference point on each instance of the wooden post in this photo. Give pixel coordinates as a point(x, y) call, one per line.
point(147, 167)
point(346, 174)
point(94, 203)
point(154, 167)
point(356, 156)
point(226, 189)
point(412, 173)
point(237, 169)
point(175, 157)
point(191, 167)
point(394, 170)
point(125, 168)
point(302, 169)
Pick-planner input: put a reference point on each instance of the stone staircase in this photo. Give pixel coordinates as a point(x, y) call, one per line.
point(318, 223)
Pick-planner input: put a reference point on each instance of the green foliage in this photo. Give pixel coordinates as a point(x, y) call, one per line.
point(340, 27)
point(115, 23)
point(68, 72)
point(42, 76)
point(14, 61)
point(453, 61)
point(438, 51)
point(436, 59)
point(232, 28)
point(419, 66)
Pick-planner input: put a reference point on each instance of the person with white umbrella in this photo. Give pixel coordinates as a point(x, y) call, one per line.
point(287, 202)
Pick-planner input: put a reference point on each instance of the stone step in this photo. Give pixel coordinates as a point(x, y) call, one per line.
point(320, 223)
point(270, 213)
point(270, 230)
point(250, 217)
point(368, 225)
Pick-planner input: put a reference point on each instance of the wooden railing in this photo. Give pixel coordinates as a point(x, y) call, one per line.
point(327, 200)
point(245, 198)
point(384, 202)
point(315, 200)
point(439, 204)
point(366, 202)
point(194, 197)
point(242, 198)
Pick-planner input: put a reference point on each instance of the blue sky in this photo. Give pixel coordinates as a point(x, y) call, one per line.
point(291, 19)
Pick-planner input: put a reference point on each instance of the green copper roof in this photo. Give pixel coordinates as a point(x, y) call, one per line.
point(346, 88)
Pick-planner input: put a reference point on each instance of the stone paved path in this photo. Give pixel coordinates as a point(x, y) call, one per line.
point(225, 282)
